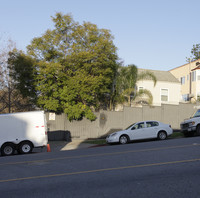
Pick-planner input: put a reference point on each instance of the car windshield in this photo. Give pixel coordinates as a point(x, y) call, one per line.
point(129, 126)
point(196, 114)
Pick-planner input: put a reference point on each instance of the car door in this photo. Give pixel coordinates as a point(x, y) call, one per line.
point(151, 129)
point(136, 132)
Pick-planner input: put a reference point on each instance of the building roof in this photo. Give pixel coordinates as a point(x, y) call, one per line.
point(161, 75)
point(195, 61)
point(196, 68)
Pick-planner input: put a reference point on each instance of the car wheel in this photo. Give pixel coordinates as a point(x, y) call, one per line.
point(162, 135)
point(25, 147)
point(7, 149)
point(191, 134)
point(123, 139)
point(198, 130)
point(186, 134)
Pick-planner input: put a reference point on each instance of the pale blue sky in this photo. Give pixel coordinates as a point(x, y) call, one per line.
point(152, 34)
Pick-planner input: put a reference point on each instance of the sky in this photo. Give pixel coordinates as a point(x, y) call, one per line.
point(152, 34)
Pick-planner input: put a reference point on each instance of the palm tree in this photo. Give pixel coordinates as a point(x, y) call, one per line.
point(127, 80)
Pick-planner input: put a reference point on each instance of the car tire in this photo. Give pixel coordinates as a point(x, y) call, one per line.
point(124, 139)
point(7, 149)
point(198, 130)
point(25, 147)
point(162, 135)
point(186, 134)
point(190, 134)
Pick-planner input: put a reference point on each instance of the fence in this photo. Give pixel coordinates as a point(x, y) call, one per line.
point(59, 128)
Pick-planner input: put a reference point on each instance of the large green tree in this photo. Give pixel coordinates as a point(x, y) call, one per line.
point(127, 84)
point(23, 72)
point(11, 100)
point(73, 67)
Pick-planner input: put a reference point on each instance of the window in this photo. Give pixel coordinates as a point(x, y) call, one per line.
point(164, 95)
point(138, 126)
point(197, 113)
point(187, 77)
point(152, 124)
point(198, 77)
point(194, 76)
point(140, 88)
point(185, 97)
point(182, 80)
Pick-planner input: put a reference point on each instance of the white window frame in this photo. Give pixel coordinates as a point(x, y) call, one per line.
point(140, 88)
point(167, 94)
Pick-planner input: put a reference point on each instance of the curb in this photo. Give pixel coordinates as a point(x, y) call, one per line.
point(98, 145)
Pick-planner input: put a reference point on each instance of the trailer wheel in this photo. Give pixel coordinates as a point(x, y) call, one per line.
point(7, 149)
point(25, 147)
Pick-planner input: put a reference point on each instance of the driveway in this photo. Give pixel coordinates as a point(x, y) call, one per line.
point(65, 145)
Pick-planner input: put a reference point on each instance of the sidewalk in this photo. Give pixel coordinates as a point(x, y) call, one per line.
point(64, 145)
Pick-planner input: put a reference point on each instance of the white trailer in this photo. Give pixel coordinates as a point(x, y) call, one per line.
point(22, 132)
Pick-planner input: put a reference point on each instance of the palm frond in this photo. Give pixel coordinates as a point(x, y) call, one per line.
point(147, 75)
point(129, 91)
point(144, 95)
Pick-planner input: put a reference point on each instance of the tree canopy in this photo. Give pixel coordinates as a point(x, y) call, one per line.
point(70, 69)
point(11, 100)
point(195, 51)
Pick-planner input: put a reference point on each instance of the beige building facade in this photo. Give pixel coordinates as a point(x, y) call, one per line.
point(167, 89)
point(189, 77)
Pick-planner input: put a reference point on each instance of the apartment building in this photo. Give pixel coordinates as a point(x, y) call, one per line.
point(189, 77)
point(167, 89)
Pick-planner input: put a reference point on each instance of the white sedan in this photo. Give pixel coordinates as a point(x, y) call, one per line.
point(141, 130)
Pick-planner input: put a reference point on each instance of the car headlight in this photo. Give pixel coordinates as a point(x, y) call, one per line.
point(113, 134)
point(191, 124)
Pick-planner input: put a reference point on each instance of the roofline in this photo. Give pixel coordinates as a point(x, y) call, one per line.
point(177, 81)
point(183, 65)
point(151, 69)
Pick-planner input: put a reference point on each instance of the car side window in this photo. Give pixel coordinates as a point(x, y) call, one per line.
point(152, 124)
point(138, 126)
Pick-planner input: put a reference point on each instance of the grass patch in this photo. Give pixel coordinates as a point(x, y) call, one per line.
point(95, 141)
point(177, 135)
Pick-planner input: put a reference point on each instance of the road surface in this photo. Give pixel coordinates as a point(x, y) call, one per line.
point(149, 169)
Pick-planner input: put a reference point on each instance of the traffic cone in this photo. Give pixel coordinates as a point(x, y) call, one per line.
point(48, 148)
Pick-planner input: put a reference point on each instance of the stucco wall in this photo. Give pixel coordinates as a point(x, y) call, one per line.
point(186, 71)
point(174, 91)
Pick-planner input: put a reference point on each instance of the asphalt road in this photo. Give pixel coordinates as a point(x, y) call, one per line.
point(163, 169)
